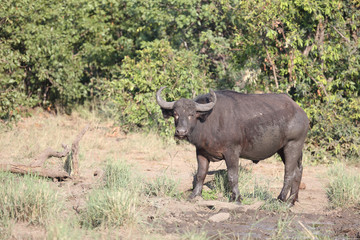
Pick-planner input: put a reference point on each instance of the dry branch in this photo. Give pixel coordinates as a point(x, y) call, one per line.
point(273, 67)
point(36, 166)
point(318, 83)
point(75, 150)
point(48, 153)
point(307, 230)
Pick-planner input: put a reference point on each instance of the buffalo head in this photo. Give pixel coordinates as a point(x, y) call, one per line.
point(186, 112)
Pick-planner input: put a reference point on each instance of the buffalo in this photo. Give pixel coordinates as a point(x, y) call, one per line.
point(227, 125)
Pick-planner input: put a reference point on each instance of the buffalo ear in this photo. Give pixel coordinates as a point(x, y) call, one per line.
point(167, 113)
point(202, 116)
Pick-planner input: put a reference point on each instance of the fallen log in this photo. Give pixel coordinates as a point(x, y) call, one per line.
point(36, 166)
point(48, 153)
point(24, 169)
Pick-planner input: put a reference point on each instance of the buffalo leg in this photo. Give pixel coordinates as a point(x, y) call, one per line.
point(232, 164)
point(291, 155)
point(296, 182)
point(203, 167)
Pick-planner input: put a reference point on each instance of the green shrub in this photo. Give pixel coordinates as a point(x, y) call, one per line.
point(335, 133)
point(133, 88)
point(40, 60)
point(116, 54)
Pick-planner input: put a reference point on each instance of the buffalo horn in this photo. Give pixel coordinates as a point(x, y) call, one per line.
point(162, 103)
point(207, 106)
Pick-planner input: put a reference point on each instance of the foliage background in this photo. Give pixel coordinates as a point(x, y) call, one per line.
point(113, 56)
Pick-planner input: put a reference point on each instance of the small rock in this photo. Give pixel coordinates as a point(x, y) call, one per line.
point(218, 205)
point(220, 217)
point(99, 173)
point(302, 186)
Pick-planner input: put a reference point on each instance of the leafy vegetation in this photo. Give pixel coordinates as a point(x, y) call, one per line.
point(117, 54)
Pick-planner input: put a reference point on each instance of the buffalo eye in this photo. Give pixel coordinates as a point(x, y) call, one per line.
point(176, 116)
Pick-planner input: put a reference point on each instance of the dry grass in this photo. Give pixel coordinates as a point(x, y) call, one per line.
point(101, 148)
point(28, 199)
point(102, 142)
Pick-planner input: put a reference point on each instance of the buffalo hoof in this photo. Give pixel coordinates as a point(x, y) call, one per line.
point(281, 199)
point(194, 195)
point(289, 202)
point(236, 199)
point(194, 198)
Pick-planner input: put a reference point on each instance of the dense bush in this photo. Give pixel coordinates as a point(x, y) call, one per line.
point(58, 54)
point(334, 130)
point(133, 87)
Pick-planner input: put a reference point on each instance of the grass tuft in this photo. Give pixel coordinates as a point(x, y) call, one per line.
point(248, 191)
point(274, 205)
point(209, 194)
point(343, 189)
point(119, 175)
point(27, 199)
point(110, 208)
point(283, 225)
point(115, 204)
point(194, 235)
point(6, 226)
point(69, 229)
point(163, 186)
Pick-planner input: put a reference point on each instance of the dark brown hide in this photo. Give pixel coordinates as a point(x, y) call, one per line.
point(251, 126)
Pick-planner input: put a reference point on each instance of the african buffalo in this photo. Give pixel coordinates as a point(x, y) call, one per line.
point(228, 125)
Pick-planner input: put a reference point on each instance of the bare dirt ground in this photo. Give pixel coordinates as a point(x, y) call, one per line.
point(310, 218)
point(167, 218)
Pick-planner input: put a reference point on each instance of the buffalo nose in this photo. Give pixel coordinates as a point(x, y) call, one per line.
point(181, 132)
